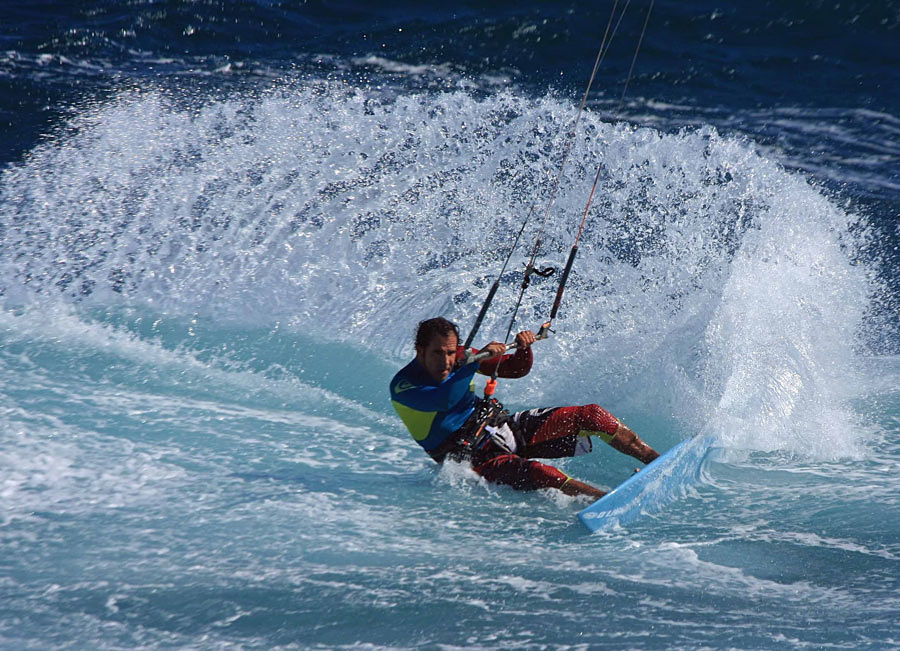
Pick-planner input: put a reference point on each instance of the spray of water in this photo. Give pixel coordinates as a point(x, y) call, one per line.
point(712, 287)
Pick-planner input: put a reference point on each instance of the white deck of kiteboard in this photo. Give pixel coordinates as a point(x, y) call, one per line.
point(651, 488)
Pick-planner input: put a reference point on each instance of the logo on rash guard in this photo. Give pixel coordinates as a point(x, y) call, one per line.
point(404, 385)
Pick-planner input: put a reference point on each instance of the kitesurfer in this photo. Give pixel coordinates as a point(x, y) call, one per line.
point(434, 396)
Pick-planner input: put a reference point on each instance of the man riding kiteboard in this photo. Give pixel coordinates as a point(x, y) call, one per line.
point(434, 396)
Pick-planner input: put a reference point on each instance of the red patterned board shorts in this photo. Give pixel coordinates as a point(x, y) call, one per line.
point(550, 433)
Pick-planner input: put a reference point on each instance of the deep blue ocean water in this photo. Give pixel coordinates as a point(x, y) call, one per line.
point(220, 222)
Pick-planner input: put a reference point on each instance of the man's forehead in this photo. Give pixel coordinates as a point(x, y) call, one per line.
point(444, 341)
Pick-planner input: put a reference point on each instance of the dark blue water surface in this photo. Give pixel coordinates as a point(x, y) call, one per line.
point(739, 57)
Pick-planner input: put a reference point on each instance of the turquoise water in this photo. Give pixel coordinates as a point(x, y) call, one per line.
point(206, 290)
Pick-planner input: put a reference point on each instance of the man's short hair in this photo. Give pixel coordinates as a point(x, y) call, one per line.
point(431, 328)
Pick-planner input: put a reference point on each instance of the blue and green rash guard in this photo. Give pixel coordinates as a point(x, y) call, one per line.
point(431, 410)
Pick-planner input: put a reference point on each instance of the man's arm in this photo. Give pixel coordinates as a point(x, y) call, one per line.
point(511, 366)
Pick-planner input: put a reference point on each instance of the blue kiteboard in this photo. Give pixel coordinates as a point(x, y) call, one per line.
point(659, 483)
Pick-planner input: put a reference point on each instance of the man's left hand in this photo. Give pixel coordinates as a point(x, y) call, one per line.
point(524, 339)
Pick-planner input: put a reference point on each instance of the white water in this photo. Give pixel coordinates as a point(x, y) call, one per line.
point(705, 266)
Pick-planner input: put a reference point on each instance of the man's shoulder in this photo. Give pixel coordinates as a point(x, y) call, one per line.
point(401, 385)
point(405, 379)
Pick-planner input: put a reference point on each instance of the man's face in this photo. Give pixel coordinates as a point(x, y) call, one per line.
point(439, 356)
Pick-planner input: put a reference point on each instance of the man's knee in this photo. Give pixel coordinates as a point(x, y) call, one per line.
point(596, 420)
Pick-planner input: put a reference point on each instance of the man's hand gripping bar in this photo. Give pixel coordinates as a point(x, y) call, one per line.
point(470, 358)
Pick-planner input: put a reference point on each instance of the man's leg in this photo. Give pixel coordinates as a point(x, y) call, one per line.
point(526, 474)
point(555, 432)
point(628, 442)
point(520, 473)
point(574, 488)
